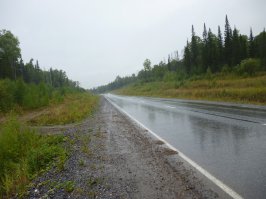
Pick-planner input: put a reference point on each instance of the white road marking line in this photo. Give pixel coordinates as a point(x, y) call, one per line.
point(170, 106)
point(264, 124)
point(216, 181)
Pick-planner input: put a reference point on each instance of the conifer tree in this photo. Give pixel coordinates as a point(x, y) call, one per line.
point(243, 47)
point(204, 49)
point(227, 42)
point(251, 45)
point(212, 51)
point(194, 50)
point(187, 58)
point(235, 47)
point(220, 47)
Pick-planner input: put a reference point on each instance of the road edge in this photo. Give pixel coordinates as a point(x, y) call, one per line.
point(230, 192)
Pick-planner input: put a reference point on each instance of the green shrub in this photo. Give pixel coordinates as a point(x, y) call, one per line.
point(24, 153)
point(248, 67)
point(6, 95)
point(225, 69)
point(29, 96)
point(169, 77)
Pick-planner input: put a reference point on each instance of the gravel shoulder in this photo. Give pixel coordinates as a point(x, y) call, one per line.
point(111, 157)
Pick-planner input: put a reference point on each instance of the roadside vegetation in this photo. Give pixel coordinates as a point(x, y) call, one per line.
point(24, 154)
point(215, 87)
point(27, 89)
point(25, 86)
point(222, 67)
point(73, 108)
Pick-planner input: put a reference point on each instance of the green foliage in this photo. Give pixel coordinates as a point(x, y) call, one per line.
point(9, 54)
point(29, 96)
point(23, 154)
point(248, 67)
point(215, 52)
point(12, 67)
point(147, 65)
point(219, 87)
point(169, 76)
point(225, 69)
point(6, 95)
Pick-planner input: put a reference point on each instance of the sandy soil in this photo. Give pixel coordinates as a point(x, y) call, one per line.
point(121, 160)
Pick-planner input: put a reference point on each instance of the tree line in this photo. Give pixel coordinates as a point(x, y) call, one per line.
point(212, 53)
point(13, 67)
point(27, 86)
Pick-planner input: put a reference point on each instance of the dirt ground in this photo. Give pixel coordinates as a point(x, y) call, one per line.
point(111, 157)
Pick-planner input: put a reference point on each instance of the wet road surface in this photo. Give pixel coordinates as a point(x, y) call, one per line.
point(229, 141)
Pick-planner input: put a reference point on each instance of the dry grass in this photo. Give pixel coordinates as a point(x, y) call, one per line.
point(74, 108)
point(228, 88)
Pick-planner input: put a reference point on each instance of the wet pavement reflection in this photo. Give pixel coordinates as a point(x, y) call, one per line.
point(229, 142)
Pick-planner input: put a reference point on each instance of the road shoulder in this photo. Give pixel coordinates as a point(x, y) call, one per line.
point(120, 160)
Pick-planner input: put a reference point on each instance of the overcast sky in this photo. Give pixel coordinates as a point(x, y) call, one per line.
point(96, 40)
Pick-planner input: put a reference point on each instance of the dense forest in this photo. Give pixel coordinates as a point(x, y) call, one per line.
point(230, 52)
point(26, 84)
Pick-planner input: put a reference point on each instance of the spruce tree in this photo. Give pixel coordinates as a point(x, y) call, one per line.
point(187, 58)
point(235, 47)
point(262, 48)
point(204, 50)
point(243, 47)
point(228, 42)
point(220, 47)
point(251, 45)
point(194, 50)
point(212, 51)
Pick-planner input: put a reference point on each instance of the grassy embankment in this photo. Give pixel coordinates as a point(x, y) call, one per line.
point(218, 87)
point(25, 153)
point(74, 108)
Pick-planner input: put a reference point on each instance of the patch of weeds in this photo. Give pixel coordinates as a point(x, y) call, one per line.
point(92, 194)
point(69, 186)
point(85, 140)
point(43, 183)
point(81, 163)
point(61, 161)
point(79, 191)
point(51, 191)
point(92, 182)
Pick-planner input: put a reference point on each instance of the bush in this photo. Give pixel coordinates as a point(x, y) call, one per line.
point(225, 69)
point(248, 67)
point(6, 95)
point(169, 77)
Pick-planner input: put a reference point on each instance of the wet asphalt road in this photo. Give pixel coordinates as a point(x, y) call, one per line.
point(229, 141)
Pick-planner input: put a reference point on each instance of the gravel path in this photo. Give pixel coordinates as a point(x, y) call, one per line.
point(113, 158)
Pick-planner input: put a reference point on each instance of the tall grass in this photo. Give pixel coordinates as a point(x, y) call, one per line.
point(23, 154)
point(74, 108)
point(219, 87)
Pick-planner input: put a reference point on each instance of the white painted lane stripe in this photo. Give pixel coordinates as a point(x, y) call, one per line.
point(216, 181)
point(170, 106)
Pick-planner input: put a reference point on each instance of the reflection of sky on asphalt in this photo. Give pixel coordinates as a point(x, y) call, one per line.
point(233, 150)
